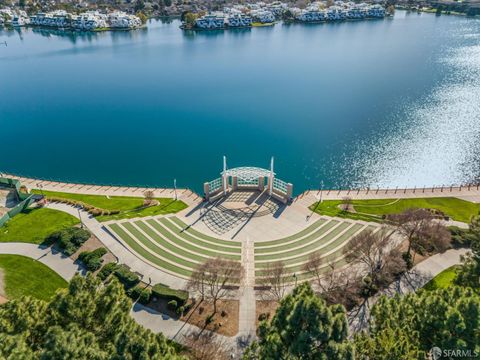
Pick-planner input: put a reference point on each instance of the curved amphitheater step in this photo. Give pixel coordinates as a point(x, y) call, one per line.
point(166, 244)
point(327, 237)
point(171, 245)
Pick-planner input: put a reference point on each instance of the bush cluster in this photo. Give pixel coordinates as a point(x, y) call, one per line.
point(126, 276)
point(162, 291)
point(69, 239)
point(95, 211)
point(141, 294)
point(93, 259)
point(106, 270)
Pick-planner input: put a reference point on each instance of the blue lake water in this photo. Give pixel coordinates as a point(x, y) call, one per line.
point(393, 102)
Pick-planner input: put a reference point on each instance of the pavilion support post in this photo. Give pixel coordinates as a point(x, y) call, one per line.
point(206, 190)
point(261, 183)
point(289, 195)
point(234, 183)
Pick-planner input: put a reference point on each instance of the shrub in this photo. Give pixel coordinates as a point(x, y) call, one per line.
point(172, 305)
point(126, 277)
point(107, 270)
point(209, 319)
point(180, 310)
point(140, 294)
point(263, 316)
point(93, 259)
point(69, 239)
point(407, 257)
point(164, 292)
point(460, 237)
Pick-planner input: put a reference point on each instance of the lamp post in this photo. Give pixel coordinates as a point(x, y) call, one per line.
point(175, 187)
point(80, 207)
point(295, 277)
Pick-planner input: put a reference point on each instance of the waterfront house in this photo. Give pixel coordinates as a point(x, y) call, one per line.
point(211, 21)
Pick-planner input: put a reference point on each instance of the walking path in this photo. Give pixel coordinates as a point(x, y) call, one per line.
point(48, 256)
point(411, 281)
point(186, 195)
point(469, 193)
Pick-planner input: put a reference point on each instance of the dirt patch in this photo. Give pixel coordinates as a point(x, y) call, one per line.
point(92, 244)
point(417, 258)
point(265, 309)
point(225, 321)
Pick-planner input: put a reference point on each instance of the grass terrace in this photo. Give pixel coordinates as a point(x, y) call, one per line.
point(23, 276)
point(34, 225)
point(328, 237)
point(373, 210)
point(127, 206)
point(167, 244)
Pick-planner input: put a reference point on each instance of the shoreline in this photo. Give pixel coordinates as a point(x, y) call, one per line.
point(466, 190)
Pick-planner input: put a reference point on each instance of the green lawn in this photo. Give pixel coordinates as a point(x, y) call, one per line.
point(442, 280)
point(34, 225)
point(129, 207)
point(372, 210)
point(25, 276)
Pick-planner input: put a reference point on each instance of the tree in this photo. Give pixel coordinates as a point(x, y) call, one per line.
point(408, 327)
point(303, 327)
point(468, 273)
point(139, 5)
point(372, 251)
point(276, 277)
point(410, 224)
point(205, 346)
point(149, 194)
point(335, 286)
point(215, 279)
point(346, 204)
point(189, 19)
point(88, 320)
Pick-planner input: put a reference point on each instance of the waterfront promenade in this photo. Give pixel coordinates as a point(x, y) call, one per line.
point(466, 192)
point(186, 195)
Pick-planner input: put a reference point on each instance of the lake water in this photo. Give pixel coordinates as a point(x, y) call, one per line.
point(391, 102)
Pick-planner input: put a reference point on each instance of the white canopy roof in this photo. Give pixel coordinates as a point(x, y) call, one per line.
point(247, 173)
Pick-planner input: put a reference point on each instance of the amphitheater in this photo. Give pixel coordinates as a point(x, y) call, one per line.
point(228, 227)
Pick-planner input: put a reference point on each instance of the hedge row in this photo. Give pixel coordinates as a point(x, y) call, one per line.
point(69, 239)
point(162, 291)
point(176, 298)
point(95, 211)
point(93, 259)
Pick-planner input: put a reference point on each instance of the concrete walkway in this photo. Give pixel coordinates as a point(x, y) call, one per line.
point(61, 264)
point(186, 195)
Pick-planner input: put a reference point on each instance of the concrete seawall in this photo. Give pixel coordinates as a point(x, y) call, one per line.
point(186, 195)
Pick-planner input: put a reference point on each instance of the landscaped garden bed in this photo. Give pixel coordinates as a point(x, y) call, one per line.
point(106, 208)
point(376, 209)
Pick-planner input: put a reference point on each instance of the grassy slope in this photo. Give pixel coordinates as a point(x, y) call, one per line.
point(129, 206)
point(33, 225)
point(442, 280)
point(372, 210)
point(25, 276)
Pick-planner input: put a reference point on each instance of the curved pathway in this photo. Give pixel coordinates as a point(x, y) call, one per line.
point(411, 281)
point(61, 264)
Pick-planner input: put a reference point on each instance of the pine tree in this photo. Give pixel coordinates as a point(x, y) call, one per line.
point(89, 320)
point(303, 327)
point(413, 324)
